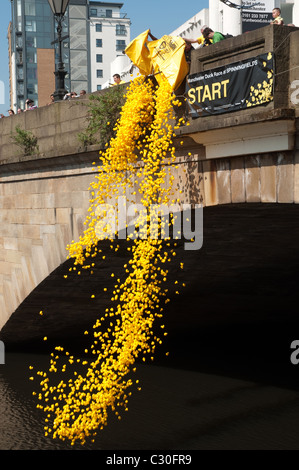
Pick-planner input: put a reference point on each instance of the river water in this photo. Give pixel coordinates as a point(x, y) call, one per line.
point(175, 410)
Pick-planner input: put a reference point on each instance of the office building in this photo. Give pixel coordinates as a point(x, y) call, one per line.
point(94, 33)
point(109, 36)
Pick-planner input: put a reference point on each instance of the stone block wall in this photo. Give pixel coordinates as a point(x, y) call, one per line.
point(40, 213)
point(56, 127)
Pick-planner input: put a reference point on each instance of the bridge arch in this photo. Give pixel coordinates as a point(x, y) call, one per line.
point(44, 211)
point(240, 299)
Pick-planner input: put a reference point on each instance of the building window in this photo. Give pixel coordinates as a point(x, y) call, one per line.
point(108, 13)
point(32, 73)
point(99, 58)
point(20, 89)
point(93, 12)
point(99, 73)
point(19, 15)
point(99, 43)
point(99, 87)
point(30, 9)
point(98, 27)
point(20, 73)
point(19, 57)
point(120, 44)
point(30, 25)
point(19, 41)
point(31, 88)
point(30, 41)
point(121, 30)
point(31, 56)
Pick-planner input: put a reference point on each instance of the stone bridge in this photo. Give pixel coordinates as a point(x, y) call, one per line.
point(249, 156)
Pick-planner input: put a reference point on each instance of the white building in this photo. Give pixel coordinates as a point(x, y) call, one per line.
point(236, 21)
point(231, 20)
point(109, 36)
point(192, 27)
point(225, 19)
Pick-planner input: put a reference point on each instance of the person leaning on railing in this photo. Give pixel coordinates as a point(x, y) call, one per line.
point(199, 40)
point(29, 105)
point(277, 19)
point(212, 36)
point(208, 37)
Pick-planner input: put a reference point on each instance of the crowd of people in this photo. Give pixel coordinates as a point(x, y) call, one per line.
point(70, 95)
point(29, 103)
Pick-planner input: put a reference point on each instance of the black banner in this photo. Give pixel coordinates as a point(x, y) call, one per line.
point(231, 87)
point(254, 20)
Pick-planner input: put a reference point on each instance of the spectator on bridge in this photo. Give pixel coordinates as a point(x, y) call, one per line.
point(82, 92)
point(11, 112)
point(117, 80)
point(276, 13)
point(212, 36)
point(30, 105)
point(52, 100)
point(70, 95)
point(20, 110)
point(199, 40)
point(188, 50)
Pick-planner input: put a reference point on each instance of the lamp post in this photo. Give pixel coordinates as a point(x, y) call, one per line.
point(58, 8)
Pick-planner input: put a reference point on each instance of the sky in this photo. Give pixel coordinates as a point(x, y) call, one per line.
point(160, 16)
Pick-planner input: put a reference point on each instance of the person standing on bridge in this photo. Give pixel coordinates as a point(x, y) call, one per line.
point(277, 19)
point(199, 40)
point(52, 100)
point(30, 105)
point(117, 80)
point(212, 36)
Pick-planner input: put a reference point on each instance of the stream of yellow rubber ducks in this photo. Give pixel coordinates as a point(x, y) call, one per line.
point(141, 154)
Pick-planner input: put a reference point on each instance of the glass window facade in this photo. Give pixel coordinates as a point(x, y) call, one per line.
point(34, 28)
point(85, 25)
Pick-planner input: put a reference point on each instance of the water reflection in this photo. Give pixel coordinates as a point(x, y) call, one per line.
point(176, 409)
point(21, 425)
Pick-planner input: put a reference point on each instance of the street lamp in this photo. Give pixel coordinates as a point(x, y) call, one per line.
point(58, 8)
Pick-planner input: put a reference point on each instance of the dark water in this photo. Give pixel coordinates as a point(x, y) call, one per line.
point(176, 409)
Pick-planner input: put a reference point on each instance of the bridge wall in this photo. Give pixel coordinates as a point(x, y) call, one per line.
point(250, 156)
